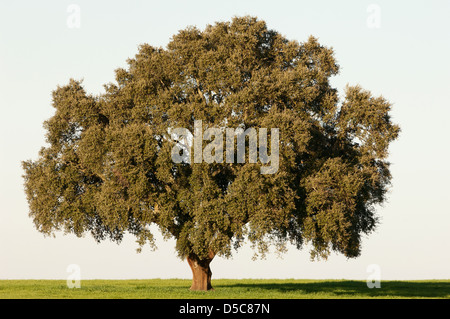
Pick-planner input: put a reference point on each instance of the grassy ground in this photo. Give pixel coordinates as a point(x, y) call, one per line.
point(223, 288)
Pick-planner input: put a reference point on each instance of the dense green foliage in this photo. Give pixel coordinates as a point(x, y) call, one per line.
point(107, 168)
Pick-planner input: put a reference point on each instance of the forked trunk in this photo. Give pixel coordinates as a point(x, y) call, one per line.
point(201, 272)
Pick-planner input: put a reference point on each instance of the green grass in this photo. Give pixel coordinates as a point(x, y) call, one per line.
point(223, 289)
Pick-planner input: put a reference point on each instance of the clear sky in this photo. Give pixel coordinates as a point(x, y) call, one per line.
point(398, 49)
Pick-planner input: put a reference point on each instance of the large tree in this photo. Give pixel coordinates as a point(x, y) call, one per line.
point(108, 167)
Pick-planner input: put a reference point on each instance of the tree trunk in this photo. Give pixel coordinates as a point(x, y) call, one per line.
point(201, 272)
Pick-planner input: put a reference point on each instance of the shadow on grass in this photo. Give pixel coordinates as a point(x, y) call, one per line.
point(358, 289)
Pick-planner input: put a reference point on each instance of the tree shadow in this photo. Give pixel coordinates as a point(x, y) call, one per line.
point(358, 289)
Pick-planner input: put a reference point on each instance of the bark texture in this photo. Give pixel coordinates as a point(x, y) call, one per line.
point(201, 272)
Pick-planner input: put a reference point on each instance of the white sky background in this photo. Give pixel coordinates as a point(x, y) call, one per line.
point(406, 60)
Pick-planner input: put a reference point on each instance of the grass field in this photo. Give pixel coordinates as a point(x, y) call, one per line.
point(223, 289)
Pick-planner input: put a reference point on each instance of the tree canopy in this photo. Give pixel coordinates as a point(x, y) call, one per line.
point(108, 170)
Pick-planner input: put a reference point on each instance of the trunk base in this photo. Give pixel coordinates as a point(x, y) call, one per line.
point(201, 273)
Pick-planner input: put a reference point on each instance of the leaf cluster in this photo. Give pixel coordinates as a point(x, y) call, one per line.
point(108, 168)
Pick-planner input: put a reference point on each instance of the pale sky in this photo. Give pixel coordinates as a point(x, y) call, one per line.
point(398, 49)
